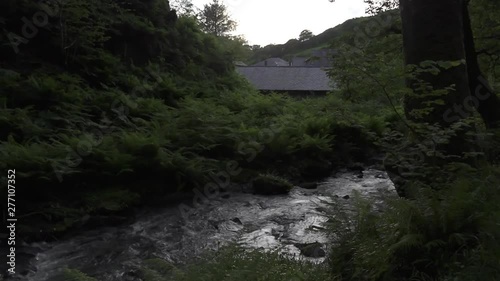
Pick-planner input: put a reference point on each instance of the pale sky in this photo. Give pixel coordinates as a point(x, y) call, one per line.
point(264, 22)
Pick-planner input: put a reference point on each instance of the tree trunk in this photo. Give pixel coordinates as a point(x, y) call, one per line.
point(433, 31)
point(433, 39)
point(484, 99)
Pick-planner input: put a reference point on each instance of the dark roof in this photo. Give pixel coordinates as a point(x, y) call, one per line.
point(318, 58)
point(287, 78)
point(272, 62)
point(299, 61)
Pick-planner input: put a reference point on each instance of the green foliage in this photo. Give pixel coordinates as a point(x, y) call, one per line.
point(110, 200)
point(215, 19)
point(305, 35)
point(486, 26)
point(441, 235)
point(274, 180)
point(67, 135)
point(156, 269)
point(294, 47)
point(233, 263)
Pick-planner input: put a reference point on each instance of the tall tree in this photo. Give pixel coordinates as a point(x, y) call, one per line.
point(183, 7)
point(305, 35)
point(446, 82)
point(432, 35)
point(488, 103)
point(215, 19)
point(442, 31)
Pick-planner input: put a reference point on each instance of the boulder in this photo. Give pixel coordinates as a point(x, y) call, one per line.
point(316, 169)
point(270, 185)
point(236, 220)
point(308, 185)
point(311, 250)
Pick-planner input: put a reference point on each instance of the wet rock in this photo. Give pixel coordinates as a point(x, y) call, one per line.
point(356, 167)
point(276, 233)
point(23, 260)
point(134, 273)
point(316, 228)
point(263, 205)
point(346, 197)
point(315, 169)
point(214, 224)
point(270, 185)
point(321, 209)
point(311, 250)
point(100, 221)
point(308, 185)
point(381, 176)
point(236, 220)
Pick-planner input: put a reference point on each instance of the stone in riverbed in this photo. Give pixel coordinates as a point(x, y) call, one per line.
point(236, 220)
point(311, 250)
point(358, 167)
point(308, 185)
point(270, 184)
point(316, 169)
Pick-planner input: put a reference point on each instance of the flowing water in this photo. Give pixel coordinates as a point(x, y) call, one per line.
point(268, 222)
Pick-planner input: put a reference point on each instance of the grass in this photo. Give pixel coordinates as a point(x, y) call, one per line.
point(235, 264)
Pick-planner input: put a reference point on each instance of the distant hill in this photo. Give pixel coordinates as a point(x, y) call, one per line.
point(324, 40)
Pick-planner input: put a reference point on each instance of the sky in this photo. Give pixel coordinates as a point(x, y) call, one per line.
point(264, 22)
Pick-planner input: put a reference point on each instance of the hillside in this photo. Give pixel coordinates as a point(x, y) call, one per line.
point(324, 40)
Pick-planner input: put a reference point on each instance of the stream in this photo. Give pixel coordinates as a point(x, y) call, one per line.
point(278, 222)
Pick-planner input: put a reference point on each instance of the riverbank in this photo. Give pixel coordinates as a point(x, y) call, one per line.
point(271, 222)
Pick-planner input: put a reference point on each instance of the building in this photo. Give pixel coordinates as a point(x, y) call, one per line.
point(272, 62)
point(296, 81)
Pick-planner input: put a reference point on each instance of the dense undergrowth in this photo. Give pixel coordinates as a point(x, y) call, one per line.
point(112, 104)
